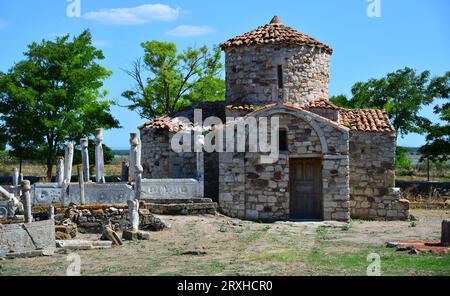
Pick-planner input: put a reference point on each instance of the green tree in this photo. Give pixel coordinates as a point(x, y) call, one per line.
point(174, 80)
point(54, 96)
point(402, 94)
point(437, 148)
point(401, 159)
point(108, 154)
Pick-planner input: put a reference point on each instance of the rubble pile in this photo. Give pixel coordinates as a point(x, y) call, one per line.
point(94, 219)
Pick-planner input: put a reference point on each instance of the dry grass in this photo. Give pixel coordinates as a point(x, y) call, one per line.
point(235, 247)
point(40, 170)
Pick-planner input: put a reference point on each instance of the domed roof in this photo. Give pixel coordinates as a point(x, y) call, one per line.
point(274, 33)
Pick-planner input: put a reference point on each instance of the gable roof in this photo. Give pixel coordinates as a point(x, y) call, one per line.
point(363, 120)
point(274, 33)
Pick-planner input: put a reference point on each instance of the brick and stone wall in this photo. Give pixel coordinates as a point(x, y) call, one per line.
point(372, 177)
point(251, 190)
point(252, 73)
point(160, 161)
point(155, 153)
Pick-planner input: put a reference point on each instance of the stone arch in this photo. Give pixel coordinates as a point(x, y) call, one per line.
point(310, 118)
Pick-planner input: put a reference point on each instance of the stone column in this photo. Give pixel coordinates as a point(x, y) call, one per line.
point(15, 182)
point(445, 238)
point(99, 161)
point(60, 170)
point(81, 184)
point(85, 158)
point(133, 210)
point(51, 213)
point(199, 141)
point(134, 154)
point(26, 199)
point(138, 182)
point(15, 177)
point(68, 163)
point(124, 175)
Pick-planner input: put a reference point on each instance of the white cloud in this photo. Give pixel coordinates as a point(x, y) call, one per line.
point(134, 15)
point(190, 31)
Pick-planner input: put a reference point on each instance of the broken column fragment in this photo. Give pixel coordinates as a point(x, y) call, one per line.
point(445, 237)
point(99, 161)
point(124, 174)
point(138, 182)
point(81, 184)
point(26, 199)
point(60, 170)
point(135, 157)
point(68, 162)
point(15, 177)
point(85, 158)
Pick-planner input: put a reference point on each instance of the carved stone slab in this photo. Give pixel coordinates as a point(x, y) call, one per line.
point(47, 193)
point(25, 237)
point(170, 188)
point(118, 193)
point(3, 209)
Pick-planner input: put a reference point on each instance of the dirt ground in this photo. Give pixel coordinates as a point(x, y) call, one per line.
point(219, 245)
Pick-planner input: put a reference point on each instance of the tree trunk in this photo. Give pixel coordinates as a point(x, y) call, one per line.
point(49, 168)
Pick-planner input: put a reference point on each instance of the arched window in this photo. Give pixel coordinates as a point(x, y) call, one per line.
point(280, 76)
point(283, 140)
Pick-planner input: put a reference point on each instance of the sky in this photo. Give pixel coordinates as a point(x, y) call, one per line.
point(400, 33)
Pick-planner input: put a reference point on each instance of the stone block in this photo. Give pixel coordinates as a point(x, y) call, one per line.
point(25, 237)
point(111, 193)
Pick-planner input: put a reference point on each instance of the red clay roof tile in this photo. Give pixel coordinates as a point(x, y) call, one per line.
point(274, 33)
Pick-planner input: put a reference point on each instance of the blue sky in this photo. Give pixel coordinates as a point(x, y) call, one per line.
point(409, 33)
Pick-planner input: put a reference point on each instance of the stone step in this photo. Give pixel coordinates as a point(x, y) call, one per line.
point(182, 209)
point(178, 200)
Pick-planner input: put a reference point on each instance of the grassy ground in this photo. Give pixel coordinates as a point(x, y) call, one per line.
point(235, 247)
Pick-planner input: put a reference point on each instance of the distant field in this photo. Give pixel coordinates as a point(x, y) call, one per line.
point(423, 178)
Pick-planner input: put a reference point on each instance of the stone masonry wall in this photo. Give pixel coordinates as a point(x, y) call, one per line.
point(160, 162)
point(155, 153)
point(251, 190)
point(158, 159)
point(252, 73)
point(372, 178)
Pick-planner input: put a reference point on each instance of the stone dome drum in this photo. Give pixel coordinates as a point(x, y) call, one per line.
point(275, 63)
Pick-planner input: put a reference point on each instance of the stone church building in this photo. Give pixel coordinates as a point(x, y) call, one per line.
point(334, 163)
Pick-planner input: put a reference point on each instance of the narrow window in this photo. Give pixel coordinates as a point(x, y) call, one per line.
point(280, 76)
point(282, 141)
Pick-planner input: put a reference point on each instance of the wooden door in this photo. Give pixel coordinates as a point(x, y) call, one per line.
point(306, 189)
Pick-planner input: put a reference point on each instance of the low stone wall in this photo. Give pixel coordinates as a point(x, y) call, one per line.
point(423, 188)
point(106, 194)
point(25, 237)
point(372, 178)
point(52, 193)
